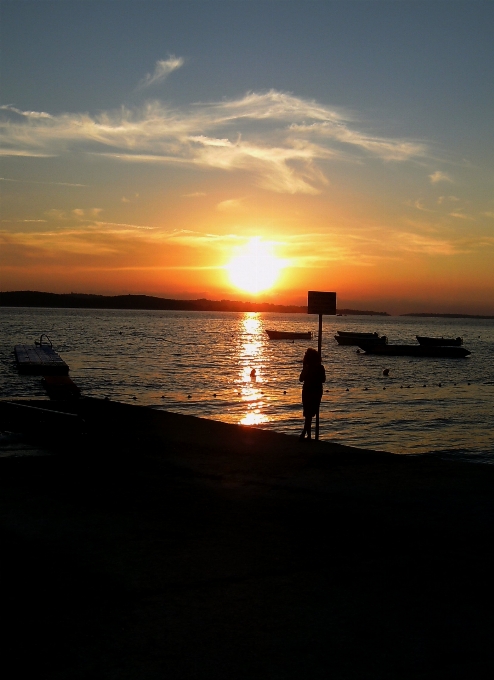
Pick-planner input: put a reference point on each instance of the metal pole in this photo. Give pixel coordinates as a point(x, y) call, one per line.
point(319, 336)
point(319, 344)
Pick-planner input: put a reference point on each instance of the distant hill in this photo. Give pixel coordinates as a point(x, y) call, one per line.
point(30, 298)
point(451, 316)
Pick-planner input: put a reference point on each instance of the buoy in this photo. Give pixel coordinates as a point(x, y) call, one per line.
point(284, 391)
point(386, 371)
point(252, 373)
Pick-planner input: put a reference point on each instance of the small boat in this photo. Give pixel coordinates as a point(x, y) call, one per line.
point(39, 359)
point(439, 342)
point(414, 350)
point(355, 338)
point(289, 335)
point(357, 334)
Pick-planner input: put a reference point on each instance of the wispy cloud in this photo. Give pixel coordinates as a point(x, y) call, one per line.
point(419, 204)
point(162, 70)
point(12, 112)
point(229, 204)
point(284, 142)
point(28, 181)
point(77, 213)
point(23, 221)
point(439, 176)
point(443, 199)
point(461, 215)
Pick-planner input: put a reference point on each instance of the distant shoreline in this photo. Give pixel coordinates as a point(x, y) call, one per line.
point(449, 316)
point(29, 298)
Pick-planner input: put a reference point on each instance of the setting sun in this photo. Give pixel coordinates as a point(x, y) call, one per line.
point(255, 269)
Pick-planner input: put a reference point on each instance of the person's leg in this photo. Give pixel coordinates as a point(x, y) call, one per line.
point(306, 430)
point(307, 426)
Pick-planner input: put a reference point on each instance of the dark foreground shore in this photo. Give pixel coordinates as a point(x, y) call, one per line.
point(153, 545)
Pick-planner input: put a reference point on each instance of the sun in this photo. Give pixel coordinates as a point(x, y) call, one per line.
point(255, 269)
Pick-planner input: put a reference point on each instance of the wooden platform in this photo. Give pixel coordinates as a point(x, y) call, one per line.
point(39, 360)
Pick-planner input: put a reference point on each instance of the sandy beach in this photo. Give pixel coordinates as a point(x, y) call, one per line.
point(155, 545)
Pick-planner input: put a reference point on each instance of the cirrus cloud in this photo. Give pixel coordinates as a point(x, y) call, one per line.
point(284, 142)
point(162, 70)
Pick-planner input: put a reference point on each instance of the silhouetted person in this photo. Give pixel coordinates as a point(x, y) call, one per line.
point(313, 376)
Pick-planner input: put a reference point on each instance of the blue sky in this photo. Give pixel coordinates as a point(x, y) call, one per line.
point(145, 141)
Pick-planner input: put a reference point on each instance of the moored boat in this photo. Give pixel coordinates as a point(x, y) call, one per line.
point(415, 350)
point(358, 334)
point(289, 335)
point(439, 342)
point(350, 338)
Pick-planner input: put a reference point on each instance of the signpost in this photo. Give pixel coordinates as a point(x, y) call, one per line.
point(320, 303)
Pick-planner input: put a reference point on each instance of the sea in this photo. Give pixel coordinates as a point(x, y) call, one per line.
point(222, 366)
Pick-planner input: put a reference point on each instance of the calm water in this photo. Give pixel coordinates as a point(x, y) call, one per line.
point(200, 364)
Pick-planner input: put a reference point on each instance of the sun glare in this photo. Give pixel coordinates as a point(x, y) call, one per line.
point(255, 269)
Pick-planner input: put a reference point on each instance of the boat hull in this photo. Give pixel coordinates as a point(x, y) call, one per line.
point(414, 350)
point(355, 340)
point(289, 335)
point(357, 334)
point(439, 342)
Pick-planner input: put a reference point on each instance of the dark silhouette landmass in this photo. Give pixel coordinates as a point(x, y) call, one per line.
point(29, 298)
point(450, 316)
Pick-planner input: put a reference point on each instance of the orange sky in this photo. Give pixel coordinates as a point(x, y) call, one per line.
point(152, 177)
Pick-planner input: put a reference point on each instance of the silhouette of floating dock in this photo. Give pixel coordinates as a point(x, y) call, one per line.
point(39, 360)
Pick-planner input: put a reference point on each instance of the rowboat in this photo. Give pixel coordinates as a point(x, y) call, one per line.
point(414, 350)
point(358, 334)
point(289, 335)
point(355, 338)
point(424, 340)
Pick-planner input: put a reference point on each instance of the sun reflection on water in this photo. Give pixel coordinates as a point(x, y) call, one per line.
point(251, 364)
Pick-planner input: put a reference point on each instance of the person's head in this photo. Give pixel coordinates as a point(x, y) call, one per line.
point(311, 357)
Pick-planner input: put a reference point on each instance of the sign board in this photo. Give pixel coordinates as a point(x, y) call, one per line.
point(321, 303)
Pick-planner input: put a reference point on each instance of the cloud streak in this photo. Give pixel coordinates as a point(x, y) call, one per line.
point(439, 176)
point(162, 70)
point(284, 142)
